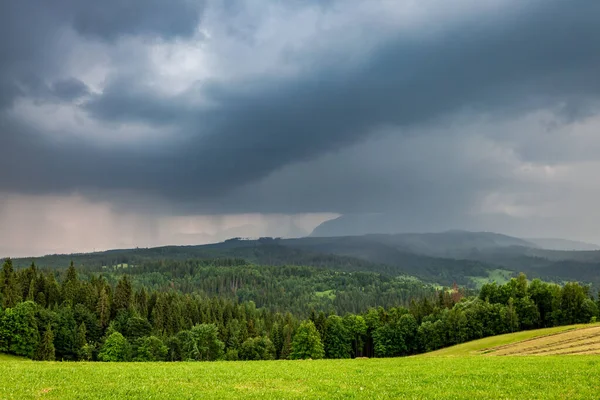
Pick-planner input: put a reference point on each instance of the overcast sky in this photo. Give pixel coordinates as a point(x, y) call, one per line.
point(152, 122)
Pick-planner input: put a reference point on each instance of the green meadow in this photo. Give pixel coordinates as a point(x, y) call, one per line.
point(467, 377)
point(459, 372)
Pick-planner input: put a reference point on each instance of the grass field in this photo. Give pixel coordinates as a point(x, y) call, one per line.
point(500, 276)
point(552, 377)
point(460, 372)
point(485, 346)
point(579, 341)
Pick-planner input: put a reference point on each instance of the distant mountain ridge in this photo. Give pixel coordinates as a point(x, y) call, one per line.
point(444, 258)
point(564, 244)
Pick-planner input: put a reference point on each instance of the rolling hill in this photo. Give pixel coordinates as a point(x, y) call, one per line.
point(377, 253)
point(467, 258)
point(564, 245)
point(570, 339)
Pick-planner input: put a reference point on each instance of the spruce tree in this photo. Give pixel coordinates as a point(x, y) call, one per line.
point(10, 288)
point(81, 339)
point(123, 295)
point(277, 339)
point(40, 299)
point(70, 287)
point(103, 308)
point(31, 291)
point(141, 302)
point(46, 349)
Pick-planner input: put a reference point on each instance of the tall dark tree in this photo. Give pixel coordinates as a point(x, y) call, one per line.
point(286, 347)
point(357, 329)
point(10, 289)
point(103, 308)
point(65, 336)
point(31, 291)
point(123, 298)
point(277, 339)
point(338, 341)
point(81, 340)
point(70, 287)
point(46, 350)
point(141, 302)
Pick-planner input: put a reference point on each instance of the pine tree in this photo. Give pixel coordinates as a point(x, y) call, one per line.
point(158, 314)
point(141, 302)
point(40, 299)
point(123, 295)
point(320, 324)
point(52, 290)
point(81, 338)
point(512, 319)
point(71, 285)
point(10, 288)
point(31, 291)
point(103, 308)
point(277, 339)
point(46, 348)
point(71, 273)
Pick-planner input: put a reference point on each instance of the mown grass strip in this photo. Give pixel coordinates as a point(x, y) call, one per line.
point(491, 344)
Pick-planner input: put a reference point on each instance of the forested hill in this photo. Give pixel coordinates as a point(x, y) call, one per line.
point(467, 258)
point(193, 312)
point(347, 255)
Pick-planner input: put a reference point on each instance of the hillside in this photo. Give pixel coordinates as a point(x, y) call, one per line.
point(564, 245)
point(559, 340)
point(350, 254)
point(466, 258)
point(446, 243)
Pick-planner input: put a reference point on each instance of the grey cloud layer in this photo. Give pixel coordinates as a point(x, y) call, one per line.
point(111, 19)
point(546, 55)
point(30, 31)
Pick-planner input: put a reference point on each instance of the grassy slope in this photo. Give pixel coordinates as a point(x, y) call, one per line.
point(477, 346)
point(11, 358)
point(500, 276)
point(411, 378)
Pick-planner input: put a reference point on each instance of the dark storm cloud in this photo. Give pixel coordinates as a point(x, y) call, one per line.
point(113, 18)
point(31, 29)
point(26, 33)
point(545, 55)
point(69, 89)
point(122, 101)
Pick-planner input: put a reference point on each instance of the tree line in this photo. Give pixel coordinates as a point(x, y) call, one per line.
point(287, 288)
point(45, 317)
